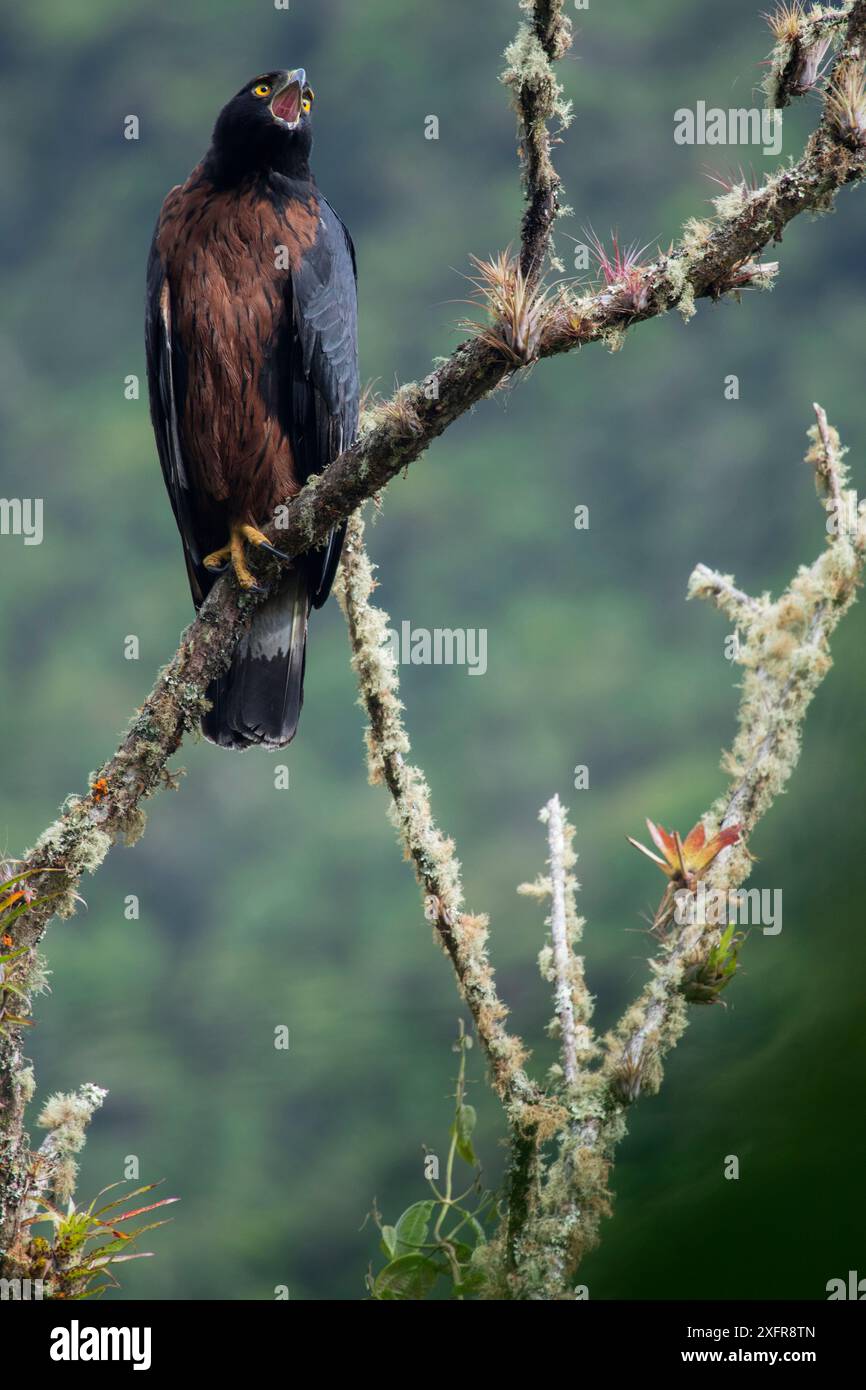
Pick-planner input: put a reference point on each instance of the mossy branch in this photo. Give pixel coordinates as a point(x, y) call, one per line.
point(712, 259)
point(462, 935)
point(554, 1209)
point(542, 40)
point(784, 654)
point(558, 961)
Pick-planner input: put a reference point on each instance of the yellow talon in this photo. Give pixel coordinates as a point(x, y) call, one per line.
point(253, 536)
point(217, 558)
point(234, 551)
point(239, 562)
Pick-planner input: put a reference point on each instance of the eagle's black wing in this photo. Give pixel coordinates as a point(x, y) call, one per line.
point(316, 379)
point(166, 379)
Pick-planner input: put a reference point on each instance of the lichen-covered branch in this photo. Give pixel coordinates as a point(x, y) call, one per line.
point(712, 259)
point(542, 40)
point(784, 653)
point(561, 946)
point(66, 1117)
point(559, 963)
point(462, 935)
point(803, 39)
point(554, 1208)
point(52, 1169)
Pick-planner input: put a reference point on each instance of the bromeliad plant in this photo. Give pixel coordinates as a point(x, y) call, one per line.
point(685, 862)
point(17, 896)
point(75, 1260)
point(87, 1242)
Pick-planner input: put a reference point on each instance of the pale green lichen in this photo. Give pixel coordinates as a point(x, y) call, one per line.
point(614, 337)
point(558, 960)
point(695, 237)
point(682, 292)
point(307, 507)
point(795, 64)
point(66, 1115)
point(734, 200)
point(26, 1083)
point(75, 843)
point(398, 414)
point(526, 63)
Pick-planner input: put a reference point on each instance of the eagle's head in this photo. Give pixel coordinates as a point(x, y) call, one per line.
point(266, 126)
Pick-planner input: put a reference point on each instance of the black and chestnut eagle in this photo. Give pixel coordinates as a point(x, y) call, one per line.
point(252, 366)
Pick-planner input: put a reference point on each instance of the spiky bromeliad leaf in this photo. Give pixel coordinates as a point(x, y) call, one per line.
point(704, 982)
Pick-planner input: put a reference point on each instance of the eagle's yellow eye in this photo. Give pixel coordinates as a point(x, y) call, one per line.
point(262, 90)
point(309, 98)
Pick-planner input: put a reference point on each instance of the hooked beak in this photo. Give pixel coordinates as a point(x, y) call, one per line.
point(286, 102)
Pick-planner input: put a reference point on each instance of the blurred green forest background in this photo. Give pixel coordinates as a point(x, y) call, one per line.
point(262, 907)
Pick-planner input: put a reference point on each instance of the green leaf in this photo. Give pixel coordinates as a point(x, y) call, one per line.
point(13, 989)
point(389, 1241)
point(463, 1128)
point(411, 1230)
point(472, 1281)
point(28, 873)
point(19, 911)
point(13, 955)
point(462, 1252)
point(476, 1227)
point(407, 1277)
point(136, 1192)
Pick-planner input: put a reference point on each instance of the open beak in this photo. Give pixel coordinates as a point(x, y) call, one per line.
point(286, 102)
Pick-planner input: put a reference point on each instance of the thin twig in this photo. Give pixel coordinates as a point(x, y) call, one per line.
point(541, 42)
point(829, 466)
point(559, 935)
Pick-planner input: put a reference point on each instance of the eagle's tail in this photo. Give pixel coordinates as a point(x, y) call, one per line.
point(258, 700)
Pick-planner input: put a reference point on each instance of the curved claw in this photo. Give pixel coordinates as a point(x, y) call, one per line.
point(231, 556)
point(272, 550)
